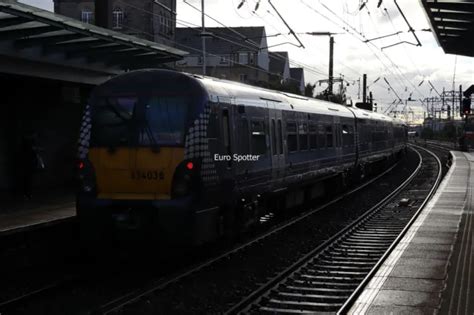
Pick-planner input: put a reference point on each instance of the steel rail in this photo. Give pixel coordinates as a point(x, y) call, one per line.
point(128, 298)
point(345, 308)
point(245, 304)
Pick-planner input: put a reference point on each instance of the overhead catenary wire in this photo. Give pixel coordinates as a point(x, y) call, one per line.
point(187, 24)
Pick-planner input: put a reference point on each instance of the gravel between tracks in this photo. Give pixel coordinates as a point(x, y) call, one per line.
point(216, 289)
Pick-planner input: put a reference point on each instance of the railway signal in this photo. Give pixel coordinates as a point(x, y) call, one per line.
point(466, 106)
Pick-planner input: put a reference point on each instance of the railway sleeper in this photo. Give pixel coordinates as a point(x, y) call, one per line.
point(379, 238)
point(317, 290)
point(272, 310)
point(357, 250)
point(343, 279)
point(345, 262)
point(323, 284)
point(349, 245)
point(329, 272)
point(338, 267)
point(303, 306)
point(291, 296)
point(354, 255)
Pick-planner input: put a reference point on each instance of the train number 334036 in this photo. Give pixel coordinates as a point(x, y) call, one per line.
point(147, 175)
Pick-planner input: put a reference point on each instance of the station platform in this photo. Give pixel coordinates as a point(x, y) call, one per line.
point(431, 270)
point(28, 215)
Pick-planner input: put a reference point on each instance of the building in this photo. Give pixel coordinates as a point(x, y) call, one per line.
point(238, 54)
point(297, 78)
point(282, 76)
point(49, 64)
point(154, 20)
point(279, 67)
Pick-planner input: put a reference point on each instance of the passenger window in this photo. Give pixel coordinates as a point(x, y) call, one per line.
point(321, 137)
point(329, 137)
point(274, 139)
point(313, 137)
point(259, 143)
point(226, 130)
point(303, 136)
point(347, 135)
point(280, 138)
point(292, 140)
point(244, 139)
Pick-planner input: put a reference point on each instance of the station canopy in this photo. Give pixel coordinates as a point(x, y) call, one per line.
point(32, 33)
point(452, 21)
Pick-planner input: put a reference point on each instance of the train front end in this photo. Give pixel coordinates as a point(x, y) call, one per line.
point(134, 175)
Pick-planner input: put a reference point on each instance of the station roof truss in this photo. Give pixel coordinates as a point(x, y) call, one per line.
point(452, 21)
point(45, 34)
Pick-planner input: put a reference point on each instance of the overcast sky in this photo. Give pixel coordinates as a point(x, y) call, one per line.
point(404, 66)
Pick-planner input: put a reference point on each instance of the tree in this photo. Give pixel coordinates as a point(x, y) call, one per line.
point(309, 90)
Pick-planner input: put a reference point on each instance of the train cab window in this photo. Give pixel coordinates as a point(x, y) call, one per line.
point(303, 136)
point(313, 137)
point(259, 144)
point(280, 138)
point(274, 138)
point(347, 135)
point(329, 136)
point(292, 137)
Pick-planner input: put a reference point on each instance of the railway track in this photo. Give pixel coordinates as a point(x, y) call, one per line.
point(55, 286)
point(118, 304)
point(331, 276)
point(140, 293)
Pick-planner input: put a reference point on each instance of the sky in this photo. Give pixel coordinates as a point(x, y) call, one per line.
point(403, 66)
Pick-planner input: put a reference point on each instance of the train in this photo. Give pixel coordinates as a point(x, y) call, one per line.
point(169, 155)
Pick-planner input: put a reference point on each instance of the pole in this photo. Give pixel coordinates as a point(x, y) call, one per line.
point(364, 88)
point(371, 101)
point(203, 40)
point(331, 64)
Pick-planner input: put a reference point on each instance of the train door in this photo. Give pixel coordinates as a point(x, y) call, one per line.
point(276, 140)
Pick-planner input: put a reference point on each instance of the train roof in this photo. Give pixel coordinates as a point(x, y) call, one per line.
point(240, 93)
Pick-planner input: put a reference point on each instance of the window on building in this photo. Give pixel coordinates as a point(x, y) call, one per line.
point(223, 60)
point(251, 58)
point(200, 60)
point(259, 143)
point(243, 58)
point(117, 18)
point(87, 16)
point(292, 137)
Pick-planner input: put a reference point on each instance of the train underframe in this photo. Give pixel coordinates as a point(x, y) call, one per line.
point(176, 222)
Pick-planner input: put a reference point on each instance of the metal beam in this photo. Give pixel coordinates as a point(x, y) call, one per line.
point(102, 49)
point(108, 55)
point(25, 32)
point(453, 6)
point(5, 22)
point(44, 40)
point(459, 16)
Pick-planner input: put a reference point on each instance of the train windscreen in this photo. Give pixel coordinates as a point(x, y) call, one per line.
point(139, 121)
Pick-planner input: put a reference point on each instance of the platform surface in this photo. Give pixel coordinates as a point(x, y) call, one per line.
point(431, 270)
point(33, 215)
